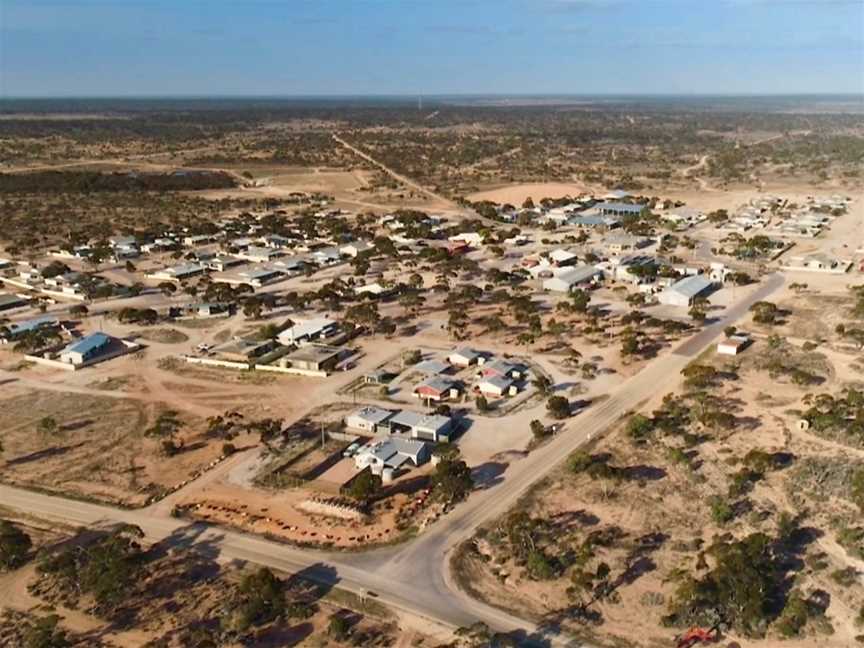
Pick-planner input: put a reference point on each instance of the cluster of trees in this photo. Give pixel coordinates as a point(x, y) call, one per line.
point(843, 413)
point(746, 588)
point(259, 598)
point(42, 182)
point(105, 568)
point(765, 312)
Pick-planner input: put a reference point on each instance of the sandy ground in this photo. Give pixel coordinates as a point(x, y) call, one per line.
point(517, 193)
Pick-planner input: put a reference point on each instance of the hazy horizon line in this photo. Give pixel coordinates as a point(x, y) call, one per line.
point(414, 95)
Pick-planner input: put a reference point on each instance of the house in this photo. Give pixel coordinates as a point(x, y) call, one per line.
point(617, 194)
point(595, 221)
point(326, 256)
point(684, 216)
point(561, 257)
point(86, 349)
point(436, 388)
point(291, 266)
point(819, 262)
point(16, 330)
point(634, 268)
point(197, 239)
point(178, 272)
point(258, 254)
point(122, 241)
point(9, 301)
point(465, 357)
point(367, 419)
point(244, 349)
point(472, 239)
point(733, 345)
point(393, 453)
point(496, 386)
point(686, 291)
point(501, 368)
point(160, 244)
point(431, 367)
point(205, 310)
point(68, 283)
point(567, 280)
point(619, 209)
point(276, 241)
point(621, 242)
point(308, 330)
point(375, 289)
point(221, 262)
point(356, 248)
point(428, 427)
point(315, 357)
point(259, 277)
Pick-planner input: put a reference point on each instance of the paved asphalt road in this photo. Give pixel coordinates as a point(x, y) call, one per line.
point(414, 577)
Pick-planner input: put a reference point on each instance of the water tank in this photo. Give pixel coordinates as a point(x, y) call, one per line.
point(387, 476)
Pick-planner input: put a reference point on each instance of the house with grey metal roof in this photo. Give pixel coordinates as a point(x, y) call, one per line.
point(431, 367)
point(393, 453)
point(686, 291)
point(428, 427)
point(367, 419)
point(567, 280)
point(18, 329)
point(619, 209)
point(9, 301)
point(464, 357)
point(496, 386)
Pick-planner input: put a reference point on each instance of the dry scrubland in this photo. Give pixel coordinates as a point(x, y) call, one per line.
point(106, 588)
point(608, 545)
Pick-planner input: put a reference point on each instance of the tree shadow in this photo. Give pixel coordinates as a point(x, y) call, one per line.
point(47, 453)
point(489, 474)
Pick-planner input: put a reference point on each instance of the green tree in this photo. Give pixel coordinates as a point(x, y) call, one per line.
point(452, 479)
point(364, 486)
point(15, 546)
point(44, 632)
point(558, 407)
point(579, 300)
point(258, 599)
point(539, 430)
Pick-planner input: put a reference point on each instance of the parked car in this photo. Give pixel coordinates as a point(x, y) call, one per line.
point(351, 450)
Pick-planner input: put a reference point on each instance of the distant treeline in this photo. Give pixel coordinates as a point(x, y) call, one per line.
point(93, 181)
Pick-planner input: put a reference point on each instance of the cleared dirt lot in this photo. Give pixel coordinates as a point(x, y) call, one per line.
point(99, 448)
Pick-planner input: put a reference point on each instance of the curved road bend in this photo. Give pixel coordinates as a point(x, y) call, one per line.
point(414, 577)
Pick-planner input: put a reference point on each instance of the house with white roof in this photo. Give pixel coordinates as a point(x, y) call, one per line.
point(304, 331)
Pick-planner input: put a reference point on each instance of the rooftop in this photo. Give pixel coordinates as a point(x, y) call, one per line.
point(691, 286)
point(421, 421)
point(88, 344)
point(314, 353)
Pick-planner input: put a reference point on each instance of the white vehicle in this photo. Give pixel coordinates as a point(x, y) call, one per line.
point(351, 450)
point(203, 348)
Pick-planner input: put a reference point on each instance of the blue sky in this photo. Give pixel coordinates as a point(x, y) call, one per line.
point(300, 47)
